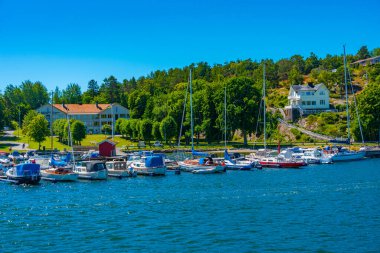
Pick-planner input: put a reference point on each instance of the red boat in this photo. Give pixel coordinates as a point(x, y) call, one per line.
point(274, 162)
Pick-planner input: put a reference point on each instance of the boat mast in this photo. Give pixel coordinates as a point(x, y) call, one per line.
point(191, 114)
point(345, 85)
point(265, 134)
point(71, 140)
point(51, 122)
point(225, 118)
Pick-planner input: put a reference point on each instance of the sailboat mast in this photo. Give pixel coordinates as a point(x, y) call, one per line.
point(345, 85)
point(71, 140)
point(225, 117)
point(51, 122)
point(191, 114)
point(265, 125)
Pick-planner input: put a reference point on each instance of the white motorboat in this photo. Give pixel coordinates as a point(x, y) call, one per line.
point(150, 165)
point(25, 173)
point(346, 155)
point(59, 174)
point(120, 169)
point(93, 170)
point(203, 164)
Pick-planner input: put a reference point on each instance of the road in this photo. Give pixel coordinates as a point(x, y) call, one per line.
point(4, 140)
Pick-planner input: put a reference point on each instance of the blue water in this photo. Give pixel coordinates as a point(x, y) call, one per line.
point(325, 208)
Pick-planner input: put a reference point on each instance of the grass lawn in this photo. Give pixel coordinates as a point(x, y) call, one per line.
point(93, 139)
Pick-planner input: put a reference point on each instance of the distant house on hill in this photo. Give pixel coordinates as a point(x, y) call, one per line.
point(307, 99)
point(94, 116)
point(368, 61)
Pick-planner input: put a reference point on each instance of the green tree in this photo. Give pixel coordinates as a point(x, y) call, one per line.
point(242, 105)
point(137, 103)
point(92, 91)
point(369, 113)
point(34, 94)
point(1, 112)
point(156, 131)
point(110, 90)
point(106, 129)
point(298, 63)
point(295, 76)
point(72, 94)
point(28, 118)
point(363, 53)
point(168, 128)
point(311, 62)
point(57, 96)
point(376, 52)
point(39, 129)
point(78, 131)
point(59, 128)
point(146, 127)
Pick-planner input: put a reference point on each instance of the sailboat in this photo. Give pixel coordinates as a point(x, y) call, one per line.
point(275, 161)
point(60, 171)
point(345, 154)
point(204, 165)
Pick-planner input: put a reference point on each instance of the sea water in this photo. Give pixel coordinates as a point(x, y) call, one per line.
point(321, 208)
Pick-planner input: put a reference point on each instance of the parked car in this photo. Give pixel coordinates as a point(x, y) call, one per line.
point(158, 144)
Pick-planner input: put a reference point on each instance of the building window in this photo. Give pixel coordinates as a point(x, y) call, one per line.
point(109, 116)
point(104, 116)
point(322, 102)
point(313, 102)
point(303, 103)
point(308, 102)
point(322, 92)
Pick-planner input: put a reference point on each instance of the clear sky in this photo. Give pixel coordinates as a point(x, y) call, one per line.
point(59, 42)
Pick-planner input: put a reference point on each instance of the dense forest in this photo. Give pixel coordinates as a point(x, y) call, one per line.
point(160, 95)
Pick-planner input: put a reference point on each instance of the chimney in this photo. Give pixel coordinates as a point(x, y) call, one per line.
point(65, 107)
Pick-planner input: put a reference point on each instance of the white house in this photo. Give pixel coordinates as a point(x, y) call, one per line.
point(94, 116)
point(309, 97)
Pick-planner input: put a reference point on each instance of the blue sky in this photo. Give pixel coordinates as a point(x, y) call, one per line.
point(72, 41)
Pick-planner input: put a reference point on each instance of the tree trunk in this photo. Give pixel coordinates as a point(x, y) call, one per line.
point(245, 137)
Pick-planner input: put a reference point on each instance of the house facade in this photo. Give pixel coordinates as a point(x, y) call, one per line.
point(307, 99)
point(368, 61)
point(94, 116)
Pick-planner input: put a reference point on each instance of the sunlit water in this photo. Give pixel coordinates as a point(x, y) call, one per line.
point(325, 208)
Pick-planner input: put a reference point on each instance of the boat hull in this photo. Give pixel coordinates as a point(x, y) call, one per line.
point(30, 179)
point(51, 176)
point(96, 175)
point(342, 157)
point(160, 171)
point(293, 165)
point(121, 173)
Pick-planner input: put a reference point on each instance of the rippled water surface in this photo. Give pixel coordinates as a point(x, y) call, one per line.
point(326, 208)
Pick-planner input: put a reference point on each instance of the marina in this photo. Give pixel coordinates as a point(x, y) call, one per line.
point(325, 207)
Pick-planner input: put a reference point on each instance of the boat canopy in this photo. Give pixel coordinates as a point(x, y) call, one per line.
point(154, 161)
point(227, 156)
point(27, 168)
point(62, 162)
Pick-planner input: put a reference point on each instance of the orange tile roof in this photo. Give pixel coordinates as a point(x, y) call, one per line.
point(82, 108)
